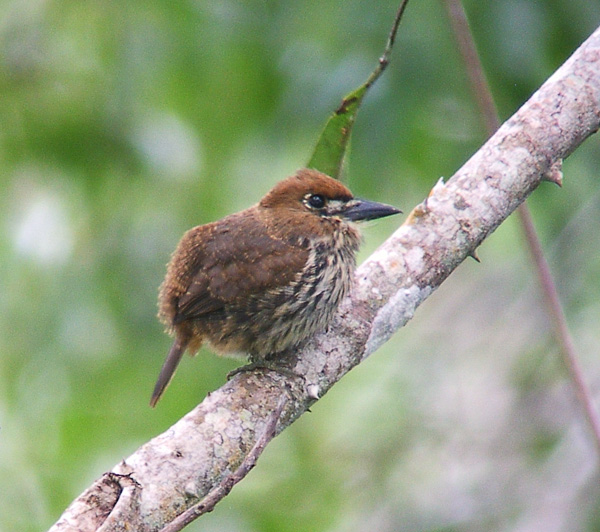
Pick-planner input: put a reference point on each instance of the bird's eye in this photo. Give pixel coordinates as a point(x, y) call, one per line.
point(316, 201)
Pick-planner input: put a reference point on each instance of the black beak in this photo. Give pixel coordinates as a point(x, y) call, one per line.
point(360, 209)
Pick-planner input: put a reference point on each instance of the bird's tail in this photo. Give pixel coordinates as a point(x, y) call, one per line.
point(168, 370)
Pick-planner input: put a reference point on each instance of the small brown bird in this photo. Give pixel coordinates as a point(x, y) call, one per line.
point(264, 280)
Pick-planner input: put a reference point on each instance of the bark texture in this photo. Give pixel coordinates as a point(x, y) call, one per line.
point(177, 468)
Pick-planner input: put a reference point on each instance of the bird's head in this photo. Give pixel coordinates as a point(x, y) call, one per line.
point(311, 194)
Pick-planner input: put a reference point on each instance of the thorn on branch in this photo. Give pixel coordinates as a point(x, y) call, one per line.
point(474, 256)
point(418, 212)
point(554, 174)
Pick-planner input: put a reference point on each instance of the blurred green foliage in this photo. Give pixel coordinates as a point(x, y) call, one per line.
point(125, 123)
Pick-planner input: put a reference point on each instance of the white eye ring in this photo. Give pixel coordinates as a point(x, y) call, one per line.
point(315, 201)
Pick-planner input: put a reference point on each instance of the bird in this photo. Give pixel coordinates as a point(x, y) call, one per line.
point(263, 281)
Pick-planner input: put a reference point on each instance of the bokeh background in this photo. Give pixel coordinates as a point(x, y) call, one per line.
point(122, 124)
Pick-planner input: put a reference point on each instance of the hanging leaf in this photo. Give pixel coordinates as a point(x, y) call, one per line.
point(332, 146)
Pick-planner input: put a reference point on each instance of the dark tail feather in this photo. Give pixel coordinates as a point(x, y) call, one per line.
point(168, 369)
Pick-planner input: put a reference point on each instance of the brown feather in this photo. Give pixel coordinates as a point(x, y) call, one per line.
point(266, 279)
point(256, 260)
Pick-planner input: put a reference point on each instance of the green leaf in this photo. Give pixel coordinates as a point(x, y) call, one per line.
point(331, 148)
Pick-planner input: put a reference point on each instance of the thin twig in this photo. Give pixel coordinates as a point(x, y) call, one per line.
point(560, 323)
point(332, 147)
point(479, 85)
point(208, 503)
point(485, 101)
point(385, 58)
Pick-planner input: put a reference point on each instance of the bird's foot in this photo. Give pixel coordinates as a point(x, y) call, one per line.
point(265, 364)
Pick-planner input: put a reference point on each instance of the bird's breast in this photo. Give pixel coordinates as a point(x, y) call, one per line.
point(286, 315)
point(294, 313)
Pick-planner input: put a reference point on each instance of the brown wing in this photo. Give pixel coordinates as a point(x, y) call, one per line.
point(237, 258)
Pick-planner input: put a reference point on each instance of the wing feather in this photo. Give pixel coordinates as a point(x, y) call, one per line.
point(234, 260)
